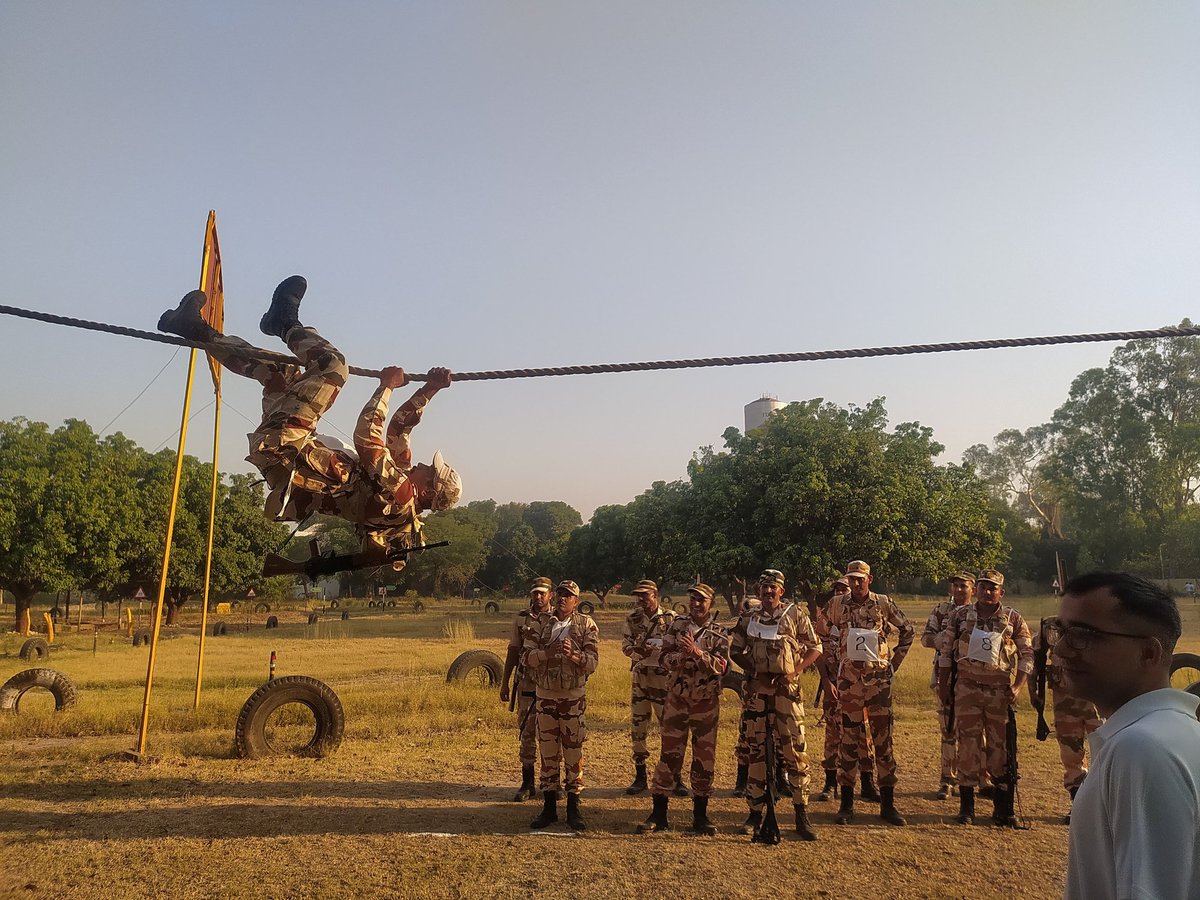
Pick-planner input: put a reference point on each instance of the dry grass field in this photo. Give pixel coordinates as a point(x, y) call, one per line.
point(416, 800)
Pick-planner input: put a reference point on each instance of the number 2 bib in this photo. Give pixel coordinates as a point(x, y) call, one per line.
point(862, 645)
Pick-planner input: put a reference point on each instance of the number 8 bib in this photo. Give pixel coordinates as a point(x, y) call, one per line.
point(985, 647)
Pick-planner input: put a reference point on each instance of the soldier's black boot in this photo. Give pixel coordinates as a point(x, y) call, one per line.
point(830, 790)
point(783, 784)
point(185, 320)
point(574, 817)
point(887, 806)
point(803, 826)
point(868, 792)
point(739, 787)
point(549, 813)
point(526, 790)
point(639, 780)
point(284, 312)
point(657, 821)
point(1003, 815)
point(700, 820)
point(679, 790)
point(845, 813)
point(752, 823)
point(966, 805)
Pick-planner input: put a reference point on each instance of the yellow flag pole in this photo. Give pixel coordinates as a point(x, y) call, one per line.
point(212, 520)
point(140, 752)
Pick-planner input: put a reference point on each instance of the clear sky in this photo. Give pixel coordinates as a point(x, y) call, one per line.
point(501, 184)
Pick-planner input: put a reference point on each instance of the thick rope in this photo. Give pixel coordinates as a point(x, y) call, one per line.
point(802, 356)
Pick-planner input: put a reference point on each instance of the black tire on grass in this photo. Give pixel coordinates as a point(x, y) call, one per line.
point(142, 636)
point(391, 604)
point(371, 604)
point(491, 606)
point(418, 606)
point(35, 648)
point(333, 604)
point(345, 615)
point(272, 621)
point(1182, 661)
point(313, 618)
point(262, 607)
point(733, 681)
point(484, 663)
point(58, 684)
point(250, 737)
point(587, 607)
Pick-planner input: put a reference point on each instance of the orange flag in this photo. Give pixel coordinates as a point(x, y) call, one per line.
point(213, 284)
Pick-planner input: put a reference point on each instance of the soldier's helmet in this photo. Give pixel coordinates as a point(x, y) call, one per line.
point(447, 484)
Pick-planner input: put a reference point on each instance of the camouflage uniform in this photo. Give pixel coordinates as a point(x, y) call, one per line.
point(367, 486)
point(864, 686)
point(561, 697)
point(525, 689)
point(769, 646)
point(1074, 720)
point(641, 641)
point(931, 637)
point(693, 704)
point(982, 693)
point(829, 707)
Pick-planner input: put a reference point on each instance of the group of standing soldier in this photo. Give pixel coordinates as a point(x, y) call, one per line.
point(857, 640)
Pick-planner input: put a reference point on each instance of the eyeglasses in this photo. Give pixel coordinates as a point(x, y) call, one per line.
point(1080, 637)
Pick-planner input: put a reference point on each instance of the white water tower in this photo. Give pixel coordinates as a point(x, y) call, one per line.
point(757, 412)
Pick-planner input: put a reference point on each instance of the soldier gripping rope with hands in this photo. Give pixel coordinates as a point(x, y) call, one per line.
point(373, 485)
point(523, 690)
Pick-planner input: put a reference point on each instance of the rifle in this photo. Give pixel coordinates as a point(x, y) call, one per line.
point(1038, 695)
point(319, 564)
point(953, 684)
point(1012, 771)
point(768, 831)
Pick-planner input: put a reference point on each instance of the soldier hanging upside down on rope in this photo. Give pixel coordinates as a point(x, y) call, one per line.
point(373, 485)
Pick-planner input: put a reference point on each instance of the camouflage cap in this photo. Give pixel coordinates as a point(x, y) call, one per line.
point(772, 576)
point(645, 586)
point(702, 589)
point(858, 567)
point(568, 587)
point(844, 581)
point(995, 576)
point(964, 575)
point(541, 584)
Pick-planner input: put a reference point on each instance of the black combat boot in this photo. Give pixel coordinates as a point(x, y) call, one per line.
point(284, 312)
point(680, 790)
point(549, 813)
point(639, 779)
point(700, 820)
point(966, 805)
point(845, 813)
point(783, 784)
point(752, 823)
point(868, 792)
point(526, 790)
point(887, 806)
point(803, 826)
point(1066, 820)
point(574, 817)
point(830, 790)
point(185, 320)
point(739, 786)
point(657, 820)
point(1003, 815)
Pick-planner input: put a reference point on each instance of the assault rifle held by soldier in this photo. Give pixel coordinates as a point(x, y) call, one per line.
point(319, 564)
point(768, 832)
point(1037, 694)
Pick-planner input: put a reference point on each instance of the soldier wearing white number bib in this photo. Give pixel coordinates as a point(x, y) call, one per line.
point(992, 649)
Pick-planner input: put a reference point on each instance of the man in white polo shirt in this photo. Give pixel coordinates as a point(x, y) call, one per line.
point(1135, 824)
